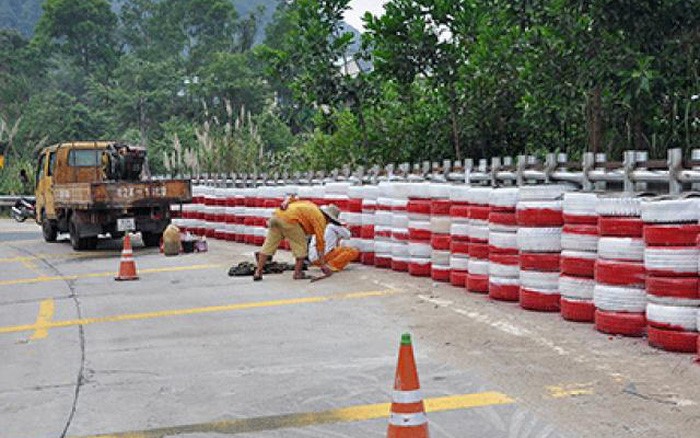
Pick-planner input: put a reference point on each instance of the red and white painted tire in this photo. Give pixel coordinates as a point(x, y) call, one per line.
point(539, 214)
point(399, 220)
point(458, 278)
point(459, 247)
point(542, 192)
point(580, 206)
point(504, 289)
point(672, 261)
point(419, 267)
point(671, 235)
point(579, 238)
point(504, 197)
point(383, 218)
point(440, 258)
point(503, 240)
point(576, 288)
point(620, 323)
point(382, 232)
point(619, 205)
point(673, 301)
point(672, 317)
point(478, 250)
point(532, 239)
point(503, 271)
point(440, 207)
point(400, 250)
point(479, 195)
point(460, 229)
point(440, 242)
point(670, 340)
point(540, 281)
point(678, 288)
point(477, 283)
point(504, 258)
point(660, 210)
point(459, 263)
point(420, 249)
point(440, 273)
point(367, 258)
point(478, 266)
point(503, 220)
point(539, 300)
point(418, 207)
point(539, 261)
point(620, 226)
point(479, 212)
point(621, 248)
point(479, 232)
point(620, 273)
point(382, 261)
point(460, 193)
point(459, 212)
point(400, 234)
point(619, 298)
point(419, 234)
point(577, 310)
point(578, 263)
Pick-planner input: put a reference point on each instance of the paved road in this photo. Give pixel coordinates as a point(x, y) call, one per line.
point(189, 351)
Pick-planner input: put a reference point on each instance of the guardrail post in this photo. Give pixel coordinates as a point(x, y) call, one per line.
point(628, 163)
point(495, 167)
point(675, 165)
point(550, 165)
point(639, 158)
point(587, 163)
point(468, 166)
point(520, 165)
point(695, 157)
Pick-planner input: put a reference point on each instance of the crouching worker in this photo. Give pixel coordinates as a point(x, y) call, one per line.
point(295, 221)
point(337, 256)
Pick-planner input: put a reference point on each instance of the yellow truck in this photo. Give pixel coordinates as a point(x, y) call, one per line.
point(99, 187)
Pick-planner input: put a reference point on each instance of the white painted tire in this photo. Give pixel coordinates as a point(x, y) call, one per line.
point(621, 248)
point(419, 225)
point(577, 288)
point(539, 205)
point(478, 232)
point(685, 317)
point(459, 229)
point(580, 204)
point(478, 266)
point(543, 192)
point(503, 240)
point(350, 218)
point(619, 205)
point(539, 281)
point(399, 220)
point(683, 260)
point(383, 218)
point(671, 210)
point(673, 301)
point(370, 192)
point(399, 250)
point(579, 242)
point(502, 228)
point(441, 258)
point(506, 271)
point(383, 247)
point(367, 218)
point(619, 299)
point(588, 255)
point(533, 239)
point(459, 193)
point(479, 195)
point(416, 249)
point(440, 224)
point(504, 197)
point(439, 191)
point(459, 263)
point(504, 281)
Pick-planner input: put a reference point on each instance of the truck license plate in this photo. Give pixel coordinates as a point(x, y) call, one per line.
point(126, 224)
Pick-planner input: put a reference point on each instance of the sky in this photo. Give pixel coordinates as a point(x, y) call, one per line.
point(358, 9)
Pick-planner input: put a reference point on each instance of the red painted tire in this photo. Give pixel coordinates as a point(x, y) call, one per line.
point(578, 267)
point(539, 261)
point(399, 265)
point(367, 232)
point(621, 273)
point(680, 342)
point(504, 292)
point(582, 220)
point(503, 218)
point(671, 235)
point(680, 287)
point(477, 283)
point(418, 206)
point(533, 300)
point(419, 270)
point(620, 226)
point(458, 278)
point(442, 275)
point(459, 247)
point(499, 250)
point(355, 205)
point(619, 323)
point(441, 242)
point(589, 230)
point(355, 230)
point(479, 212)
point(367, 258)
point(440, 207)
point(419, 234)
point(577, 310)
point(539, 217)
point(504, 259)
point(479, 250)
point(382, 261)
point(460, 211)
point(382, 232)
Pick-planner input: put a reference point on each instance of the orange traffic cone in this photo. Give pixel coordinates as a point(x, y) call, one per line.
point(407, 418)
point(127, 266)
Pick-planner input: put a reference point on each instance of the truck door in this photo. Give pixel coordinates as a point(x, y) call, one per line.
point(39, 186)
point(48, 180)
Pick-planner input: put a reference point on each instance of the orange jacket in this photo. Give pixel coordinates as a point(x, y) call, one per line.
point(309, 216)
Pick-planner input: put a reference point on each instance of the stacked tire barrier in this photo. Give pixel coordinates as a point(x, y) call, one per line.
point(440, 224)
point(504, 262)
point(478, 267)
point(619, 295)
point(540, 220)
point(459, 238)
point(382, 227)
point(369, 206)
point(400, 255)
point(579, 244)
point(671, 262)
point(419, 233)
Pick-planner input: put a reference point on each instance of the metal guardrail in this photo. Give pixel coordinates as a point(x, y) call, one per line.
point(9, 201)
point(636, 172)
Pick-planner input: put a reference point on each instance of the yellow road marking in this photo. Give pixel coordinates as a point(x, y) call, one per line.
point(44, 279)
point(570, 390)
point(46, 309)
point(342, 415)
point(80, 255)
point(193, 311)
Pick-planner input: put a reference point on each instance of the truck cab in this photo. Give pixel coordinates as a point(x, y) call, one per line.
point(99, 187)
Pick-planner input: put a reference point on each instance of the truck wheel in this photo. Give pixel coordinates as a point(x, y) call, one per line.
point(80, 243)
point(151, 240)
point(48, 228)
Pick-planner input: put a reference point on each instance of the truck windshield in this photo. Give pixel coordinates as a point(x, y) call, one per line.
point(84, 157)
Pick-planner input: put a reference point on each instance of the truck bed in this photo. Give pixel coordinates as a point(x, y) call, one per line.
point(121, 194)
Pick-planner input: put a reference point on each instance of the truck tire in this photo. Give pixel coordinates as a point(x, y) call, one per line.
point(48, 228)
point(80, 243)
point(151, 240)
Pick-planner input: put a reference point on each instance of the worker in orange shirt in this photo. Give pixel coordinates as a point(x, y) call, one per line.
point(295, 220)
